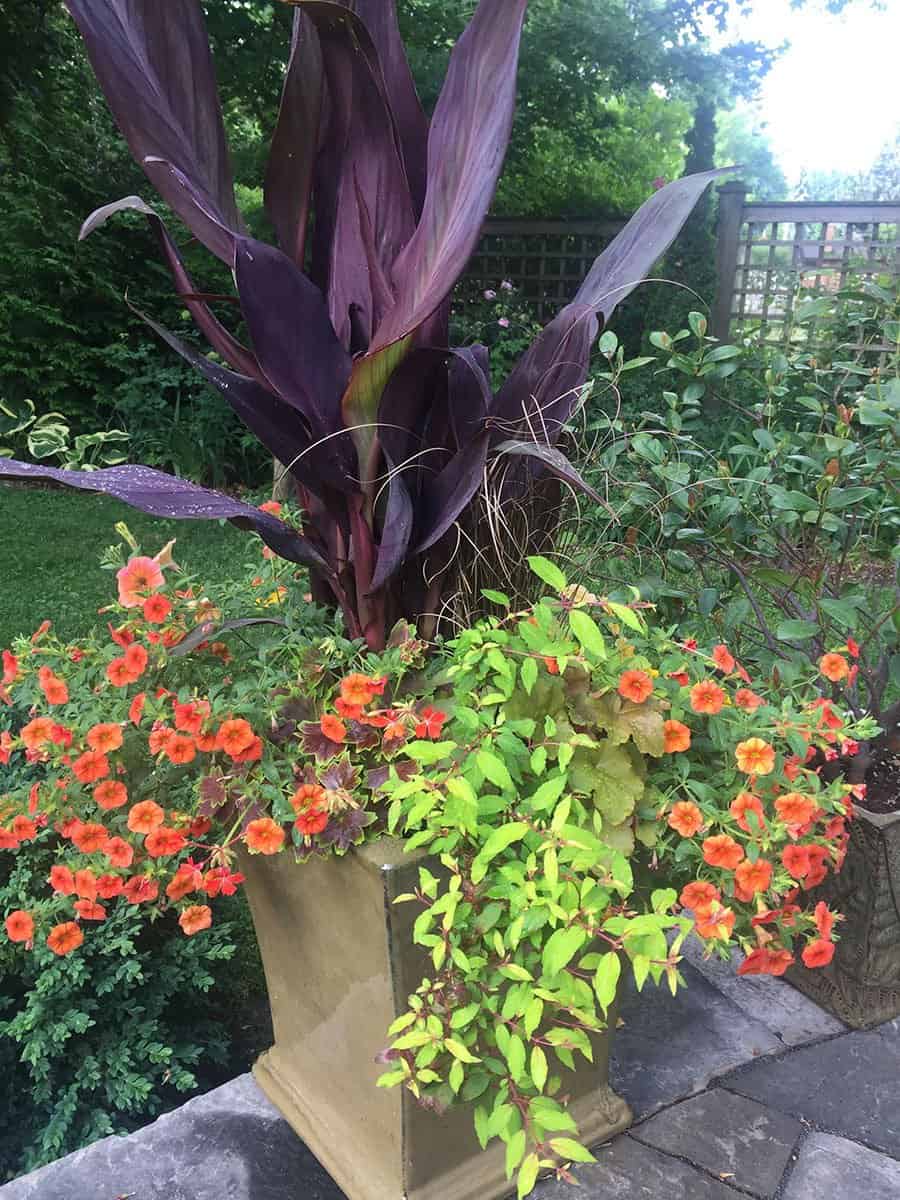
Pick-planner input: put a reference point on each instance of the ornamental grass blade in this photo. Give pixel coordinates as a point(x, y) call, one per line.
point(154, 65)
point(163, 495)
point(295, 143)
point(466, 144)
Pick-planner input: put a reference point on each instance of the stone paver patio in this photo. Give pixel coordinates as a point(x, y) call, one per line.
point(740, 1088)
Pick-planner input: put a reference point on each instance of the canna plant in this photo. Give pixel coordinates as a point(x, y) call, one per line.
point(392, 440)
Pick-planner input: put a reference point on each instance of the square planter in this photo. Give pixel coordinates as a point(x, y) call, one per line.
point(861, 985)
point(340, 963)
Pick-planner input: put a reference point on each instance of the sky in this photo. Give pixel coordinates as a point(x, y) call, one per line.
point(833, 98)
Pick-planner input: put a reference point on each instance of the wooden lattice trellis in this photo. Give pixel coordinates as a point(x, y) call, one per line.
point(546, 260)
point(773, 255)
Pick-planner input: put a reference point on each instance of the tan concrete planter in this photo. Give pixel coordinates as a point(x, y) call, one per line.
point(861, 985)
point(339, 964)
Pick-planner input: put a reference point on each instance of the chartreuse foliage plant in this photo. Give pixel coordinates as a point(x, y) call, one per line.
point(535, 758)
point(392, 438)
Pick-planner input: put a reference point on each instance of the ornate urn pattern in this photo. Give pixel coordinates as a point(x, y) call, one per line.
point(862, 984)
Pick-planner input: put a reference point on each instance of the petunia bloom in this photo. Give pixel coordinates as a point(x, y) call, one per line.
point(137, 579)
point(65, 938)
point(755, 757)
point(195, 918)
point(677, 737)
point(707, 697)
point(818, 953)
point(145, 817)
point(635, 686)
point(834, 667)
point(264, 836)
point(686, 818)
point(722, 851)
point(19, 926)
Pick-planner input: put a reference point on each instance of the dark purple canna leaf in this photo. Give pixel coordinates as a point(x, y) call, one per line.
point(163, 495)
point(628, 259)
point(153, 62)
point(469, 134)
point(555, 462)
point(217, 629)
point(444, 498)
point(295, 144)
point(470, 397)
point(397, 527)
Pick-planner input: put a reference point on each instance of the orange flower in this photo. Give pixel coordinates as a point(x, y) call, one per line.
point(189, 718)
point(119, 853)
point(824, 919)
point(136, 708)
point(91, 837)
point(185, 880)
point(85, 884)
point(145, 817)
point(707, 697)
point(834, 667)
point(109, 886)
point(37, 733)
point(818, 953)
point(677, 737)
point(234, 736)
point(755, 757)
point(698, 894)
point(180, 750)
point(714, 921)
point(795, 860)
point(635, 686)
point(743, 803)
point(90, 910)
point(795, 809)
point(723, 659)
point(332, 728)
point(766, 962)
point(306, 796)
point(264, 836)
point(195, 918)
point(162, 842)
point(748, 700)
point(54, 689)
point(253, 753)
point(105, 738)
point(752, 877)
point(136, 661)
point(62, 880)
point(91, 766)
point(686, 818)
point(722, 851)
point(140, 889)
point(23, 828)
point(160, 736)
point(552, 665)
point(138, 577)
point(20, 926)
point(156, 609)
point(110, 794)
point(65, 938)
point(271, 506)
point(205, 742)
point(10, 667)
point(118, 673)
point(351, 711)
point(359, 689)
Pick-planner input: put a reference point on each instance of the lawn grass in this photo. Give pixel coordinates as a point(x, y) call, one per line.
point(50, 546)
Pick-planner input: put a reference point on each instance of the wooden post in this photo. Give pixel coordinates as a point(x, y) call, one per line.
point(731, 211)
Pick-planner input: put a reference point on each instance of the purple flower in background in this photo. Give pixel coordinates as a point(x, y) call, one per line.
point(659, 182)
point(503, 322)
point(490, 294)
point(506, 286)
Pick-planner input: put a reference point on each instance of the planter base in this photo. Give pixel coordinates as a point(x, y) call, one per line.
point(340, 964)
point(852, 1002)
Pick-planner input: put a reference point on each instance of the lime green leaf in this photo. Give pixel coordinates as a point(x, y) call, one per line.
point(515, 1152)
point(456, 1076)
point(538, 1068)
point(515, 1056)
point(529, 673)
point(561, 948)
point(497, 842)
point(458, 1050)
point(548, 572)
point(528, 1173)
point(429, 752)
point(496, 597)
point(495, 770)
point(588, 633)
point(481, 1125)
point(548, 793)
point(571, 1150)
point(606, 979)
point(628, 617)
point(463, 1016)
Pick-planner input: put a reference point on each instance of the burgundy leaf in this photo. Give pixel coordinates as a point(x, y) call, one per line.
point(163, 495)
point(209, 629)
point(445, 497)
point(153, 62)
point(315, 742)
point(468, 139)
point(295, 144)
point(396, 529)
point(340, 775)
point(555, 462)
point(628, 259)
point(346, 830)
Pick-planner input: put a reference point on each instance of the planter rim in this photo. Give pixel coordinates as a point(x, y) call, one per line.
point(881, 820)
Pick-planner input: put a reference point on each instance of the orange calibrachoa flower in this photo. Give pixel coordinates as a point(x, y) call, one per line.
point(156, 609)
point(834, 667)
point(707, 697)
point(54, 689)
point(307, 795)
point(333, 729)
point(312, 820)
point(763, 961)
point(359, 690)
point(195, 918)
point(10, 667)
point(109, 886)
point(686, 818)
point(264, 836)
point(795, 809)
point(136, 708)
point(186, 879)
point(24, 829)
point(746, 699)
point(743, 803)
point(189, 718)
point(162, 841)
point(752, 877)
point(65, 938)
point(137, 579)
point(37, 733)
point(818, 953)
point(755, 757)
point(90, 910)
point(104, 738)
point(723, 659)
point(85, 884)
point(91, 837)
point(140, 889)
point(62, 880)
point(180, 749)
point(698, 894)
point(635, 686)
point(234, 736)
point(136, 659)
point(118, 852)
point(119, 674)
point(145, 817)
point(795, 860)
point(91, 766)
point(677, 737)
point(205, 742)
point(160, 736)
point(714, 921)
point(722, 851)
point(19, 926)
point(110, 794)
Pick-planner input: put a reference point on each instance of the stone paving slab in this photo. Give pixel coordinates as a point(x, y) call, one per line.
point(230, 1144)
point(783, 1010)
point(728, 1135)
point(627, 1170)
point(670, 1047)
point(831, 1168)
point(849, 1085)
